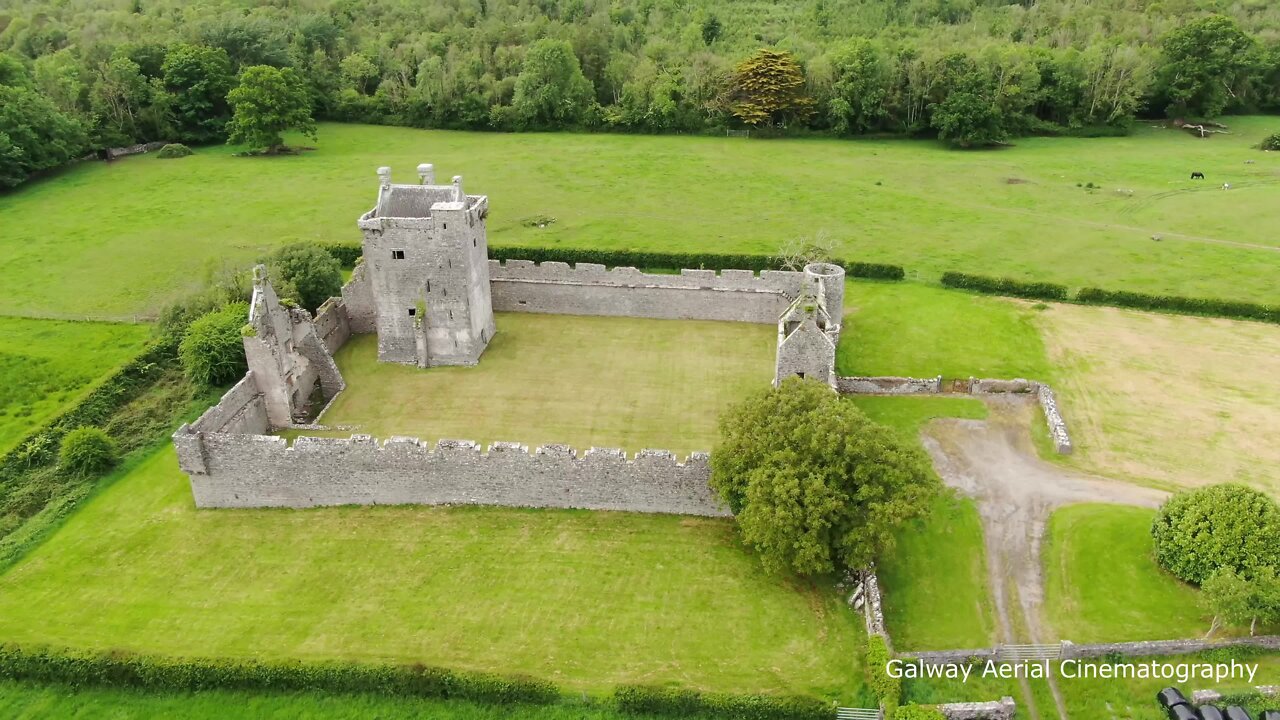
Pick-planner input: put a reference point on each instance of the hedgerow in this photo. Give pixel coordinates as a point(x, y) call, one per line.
point(681, 703)
point(127, 670)
point(888, 690)
point(349, 253)
point(1004, 286)
point(1175, 303)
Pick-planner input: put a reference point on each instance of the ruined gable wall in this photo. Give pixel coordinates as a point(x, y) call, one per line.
point(240, 410)
point(591, 289)
point(262, 471)
point(332, 324)
point(357, 296)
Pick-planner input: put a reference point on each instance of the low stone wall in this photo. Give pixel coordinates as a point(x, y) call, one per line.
point(888, 385)
point(1057, 426)
point(592, 289)
point(987, 386)
point(1152, 648)
point(240, 410)
point(952, 657)
point(1002, 709)
point(873, 608)
point(263, 471)
point(119, 152)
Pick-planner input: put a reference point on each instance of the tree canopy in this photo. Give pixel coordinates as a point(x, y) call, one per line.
point(551, 90)
point(815, 485)
point(768, 88)
point(306, 273)
point(1219, 527)
point(212, 348)
point(267, 102)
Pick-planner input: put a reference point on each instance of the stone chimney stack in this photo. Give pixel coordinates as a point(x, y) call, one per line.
point(458, 196)
point(384, 176)
point(427, 172)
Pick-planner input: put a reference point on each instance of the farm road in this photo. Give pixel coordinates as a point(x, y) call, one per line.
point(994, 462)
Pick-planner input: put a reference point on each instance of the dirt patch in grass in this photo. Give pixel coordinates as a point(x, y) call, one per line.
point(1167, 400)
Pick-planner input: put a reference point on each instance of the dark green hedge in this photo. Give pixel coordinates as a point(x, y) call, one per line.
point(1175, 303)
point(348, 253)
point(676, 703)
point(1004, 286)
point(40, 446)
point(122, 670)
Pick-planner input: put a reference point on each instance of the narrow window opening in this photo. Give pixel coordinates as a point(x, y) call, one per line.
point(397, 254)
point(446, 225)
point(483, 339)
point(450, 314)
point(524, 302)
point(428, 286)
point(444, 291)
point(413, 312)
point(801, 375)
point(473, 242)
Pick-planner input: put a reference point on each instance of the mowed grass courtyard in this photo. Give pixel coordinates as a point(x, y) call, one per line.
point(130, 235)
point(587, 599)
point(629, 383)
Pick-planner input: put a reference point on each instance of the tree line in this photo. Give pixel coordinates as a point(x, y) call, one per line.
point(972, 72)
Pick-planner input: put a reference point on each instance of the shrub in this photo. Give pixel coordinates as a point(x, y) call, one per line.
point(87, 451)
point(126, 670)
point(173, 151)
point(918, 712)
point(348, 253)
point(1272, 142)
point(305, 272)
point(212, 350)
point(1004, 286)
point(1227, 526)
point(680, 703)
point(888, 690)
point(1175, 303)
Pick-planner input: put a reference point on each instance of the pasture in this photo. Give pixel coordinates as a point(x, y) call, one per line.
point(581, 381)
point(134, 233)
point(586, 599)
point(1166, 400)
point(47, 364)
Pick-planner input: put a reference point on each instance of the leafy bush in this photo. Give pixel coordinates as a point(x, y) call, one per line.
point(173, 151)
point(1175, 303)
point(1004, 286)
point(305, 272)
point(1227, 526)
point(918, 712)
point(126, 670)
point(347, 254)
point(679, 703)
point(87, 451)
point(212, 351)
point(1272, 142)
point(888, 690)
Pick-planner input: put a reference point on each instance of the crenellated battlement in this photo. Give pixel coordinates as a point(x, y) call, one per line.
point(771, 281)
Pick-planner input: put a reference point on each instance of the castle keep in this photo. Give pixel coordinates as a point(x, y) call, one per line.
point(427, 287)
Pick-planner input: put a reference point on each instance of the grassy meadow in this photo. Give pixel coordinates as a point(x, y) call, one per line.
point(586, 599)
point(131, 234)
point(1168, 400)
point(47, 364)
point(583, 381)
point(1103, 585)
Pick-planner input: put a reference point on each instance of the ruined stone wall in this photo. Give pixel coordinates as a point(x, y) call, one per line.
point(1152, 648)
point(1052, 416)
point(263, 471)
point(592, 289)
point(357, 296)
point(240, 410)
point(999, 387)
point(888, 385)
point(332, 325)
point(1002, 709)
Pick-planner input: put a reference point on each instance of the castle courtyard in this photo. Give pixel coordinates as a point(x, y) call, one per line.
point(582, 381)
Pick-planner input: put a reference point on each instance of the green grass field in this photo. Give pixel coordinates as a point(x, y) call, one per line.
point(26, 701)
point(47, 364)
point(1102, 584)
point(581, 381)
point(587, 599)
point(129, 235)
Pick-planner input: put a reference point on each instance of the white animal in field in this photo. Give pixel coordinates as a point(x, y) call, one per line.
point(1226, 186)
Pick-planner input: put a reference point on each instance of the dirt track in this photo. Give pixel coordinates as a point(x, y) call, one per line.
point(994, 462)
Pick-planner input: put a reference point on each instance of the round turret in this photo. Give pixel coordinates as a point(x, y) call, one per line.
point(827, 280)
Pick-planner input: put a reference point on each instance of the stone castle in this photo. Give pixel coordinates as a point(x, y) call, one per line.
point(427, 287)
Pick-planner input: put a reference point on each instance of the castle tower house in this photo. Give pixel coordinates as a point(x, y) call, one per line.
point(426, 257)
point(809, 329)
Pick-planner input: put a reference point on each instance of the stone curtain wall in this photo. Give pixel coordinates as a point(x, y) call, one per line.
point(240, 410)
point(592, 289)
point(263, 471)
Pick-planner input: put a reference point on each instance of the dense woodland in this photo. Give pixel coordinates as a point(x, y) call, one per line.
point(81, 75)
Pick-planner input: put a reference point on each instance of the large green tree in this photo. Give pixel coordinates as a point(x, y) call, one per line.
point(1206, 62)
point(267, 102)
point(768, 89)
point(198, 79)
point(34, 135)
point(968, 116)
point(815, 485)
point(1238, 600)
point(1219, 527)
point(212, 348)
point(306, 273)
point(551, 90)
